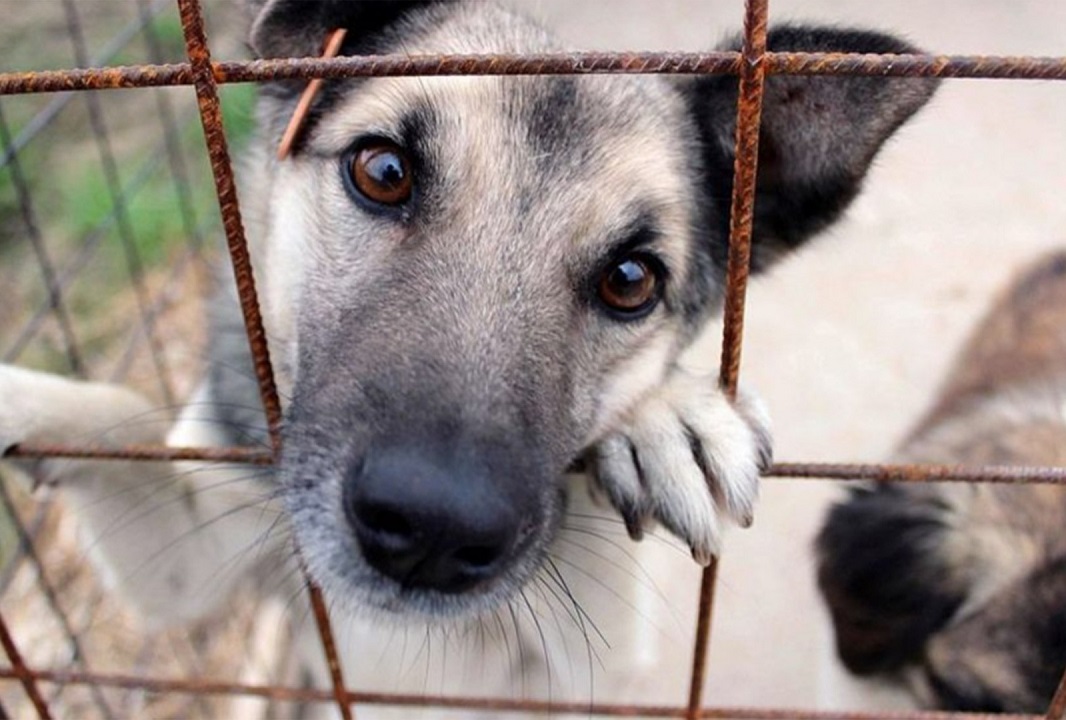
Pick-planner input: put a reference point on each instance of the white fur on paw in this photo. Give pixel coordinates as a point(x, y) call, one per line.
point(686, 458)
point(12, 426)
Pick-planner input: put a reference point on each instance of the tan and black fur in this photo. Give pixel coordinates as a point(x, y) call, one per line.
point(445, 362)
point(963, 587)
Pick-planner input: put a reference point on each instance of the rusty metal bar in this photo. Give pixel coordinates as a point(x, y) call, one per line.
point(573, 63)
point(1003, 474)
point(329, 644)
point(293, 694)
point(214, 135)
point(942, 66)
point(252, 456)
point(741, 219)
point(20, 672)
point(742, 208)
point(851, 472)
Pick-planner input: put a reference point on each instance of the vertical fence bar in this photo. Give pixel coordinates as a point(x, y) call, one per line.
point(741, 217)
point(29, 683)
point(329, 645)
point(214, 134)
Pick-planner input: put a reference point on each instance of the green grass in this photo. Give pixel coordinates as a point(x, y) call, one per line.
point(73, 202)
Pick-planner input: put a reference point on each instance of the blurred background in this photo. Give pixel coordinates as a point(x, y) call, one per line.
point(109, 197)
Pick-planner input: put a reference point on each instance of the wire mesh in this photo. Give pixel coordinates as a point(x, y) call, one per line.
point(752, 64)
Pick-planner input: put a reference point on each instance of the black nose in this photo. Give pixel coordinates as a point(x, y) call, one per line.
point(428, 522)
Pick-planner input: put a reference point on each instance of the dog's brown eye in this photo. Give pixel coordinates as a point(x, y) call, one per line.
point(630, 286)
point(382, 173)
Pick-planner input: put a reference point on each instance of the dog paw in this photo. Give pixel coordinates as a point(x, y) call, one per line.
point(12, 427)
point(686, 458)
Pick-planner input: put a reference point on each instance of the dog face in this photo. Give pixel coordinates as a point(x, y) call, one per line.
point(963, 588)
point(469, 280)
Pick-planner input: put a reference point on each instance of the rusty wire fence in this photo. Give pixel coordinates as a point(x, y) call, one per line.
point(152, 294)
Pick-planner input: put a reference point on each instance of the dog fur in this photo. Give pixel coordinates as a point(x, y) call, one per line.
point(962, 588)
point(459, 338)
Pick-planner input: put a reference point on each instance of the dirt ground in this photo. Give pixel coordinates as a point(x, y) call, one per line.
point(847, 342)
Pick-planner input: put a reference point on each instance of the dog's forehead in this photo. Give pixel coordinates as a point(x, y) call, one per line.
point(592, 152)
point(600, 145)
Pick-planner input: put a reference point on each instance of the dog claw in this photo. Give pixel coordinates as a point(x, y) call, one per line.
point(688, 458)
point(634, 527)
point(702, 557)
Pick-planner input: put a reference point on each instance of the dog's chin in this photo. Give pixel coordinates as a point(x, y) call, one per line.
point(334, 561)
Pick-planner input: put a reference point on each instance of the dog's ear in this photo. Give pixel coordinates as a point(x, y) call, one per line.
point(887, 570)
point(818, 135)
point(298, 28)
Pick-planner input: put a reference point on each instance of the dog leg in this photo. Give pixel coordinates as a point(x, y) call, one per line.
point(685, 457)
point(173, 538)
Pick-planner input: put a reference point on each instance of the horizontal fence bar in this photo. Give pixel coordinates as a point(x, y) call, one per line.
point(921, 473)
point(916, 473)
point(43, 451)
point(992, 67)
point(584, 63)
point(292, 694)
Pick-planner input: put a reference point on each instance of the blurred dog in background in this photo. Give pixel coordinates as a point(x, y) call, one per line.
point(961, 588)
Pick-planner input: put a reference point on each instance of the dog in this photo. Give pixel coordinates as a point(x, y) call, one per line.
point(960, 588)
point(469, 285)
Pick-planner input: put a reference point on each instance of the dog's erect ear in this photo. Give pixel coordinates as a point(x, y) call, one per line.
point(888, 575)
point(297, 28)
point(817, 138)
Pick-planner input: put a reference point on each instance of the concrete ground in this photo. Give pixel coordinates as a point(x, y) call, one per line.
point(848, 341)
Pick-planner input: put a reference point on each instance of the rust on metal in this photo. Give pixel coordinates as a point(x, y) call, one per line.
point(738, 263)
point(329, 645)
point(281, 693)
point(576, 63)
point(23, 674)
point(942, 66)
point(924, 473)
point(215, 136)
point(742, 208)
point(853, 472)
point(331, 49)
point(252, 456)
point(196, 49)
